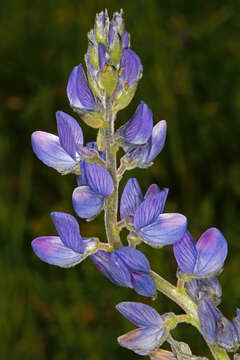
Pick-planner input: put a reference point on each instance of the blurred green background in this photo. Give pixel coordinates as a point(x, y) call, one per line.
point(191, 56)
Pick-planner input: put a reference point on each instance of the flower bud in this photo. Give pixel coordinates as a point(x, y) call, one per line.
point(93, 119)
point(101, 27)
point(124, 98)
point(109, 79)
point(101, 140)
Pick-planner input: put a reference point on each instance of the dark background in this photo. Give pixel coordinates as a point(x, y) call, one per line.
point(191, 56)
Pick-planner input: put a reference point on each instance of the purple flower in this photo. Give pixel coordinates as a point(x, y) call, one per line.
point(126, 267)
point(215, 327)
point(95, 185)
point(131, 68)
point(67, 249)
point(149, 334)
point(204, 258)
point(154, 227)
point(138, 129)
point(79, 94)
point(62, 152)
point(143, 155)
point(211, 287)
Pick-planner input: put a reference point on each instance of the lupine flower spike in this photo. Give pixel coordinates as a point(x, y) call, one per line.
point(113, 71)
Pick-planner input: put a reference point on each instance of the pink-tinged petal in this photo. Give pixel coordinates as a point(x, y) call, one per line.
point(143, 340)
point(131, 198)
point(185, 253)
point(149, 210)
point(134, 259)
point(131, 65)
point(212, 250)
point(152, 190)
point(70, 133)
point(159, 134)
point(166, 230)
point(138, 129)
point(143, 284)
point(68, 230)
point(86, 202)
point(78, 91)
point(48, 149)
point(139, 314)
point(98, 179)
point(52, 250)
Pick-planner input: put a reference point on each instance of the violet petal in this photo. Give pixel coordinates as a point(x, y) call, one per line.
point(78, 91)
point(68, 231)
point(139, 314)
point(52, 250)
point(212, 251)
point(48, 149)
point(86, 202)
point(70, 133)
point(98, 179)
point(131, 198)
point(143, 340)
point(149, 210)
point(131, 65)
point(185, 253)
point(166, 230)
point(143, 284)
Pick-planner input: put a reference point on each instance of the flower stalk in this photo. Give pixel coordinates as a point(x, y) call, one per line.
point(111, 203)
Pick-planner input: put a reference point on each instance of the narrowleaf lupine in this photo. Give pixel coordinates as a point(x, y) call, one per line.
point(113, 73)
point(67, 249)
point(204, 258)
point(149, 334)
point(155, 228)
point(126, 267)
point(95, 185)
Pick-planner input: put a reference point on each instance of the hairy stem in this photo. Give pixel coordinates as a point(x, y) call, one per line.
point(111, 203)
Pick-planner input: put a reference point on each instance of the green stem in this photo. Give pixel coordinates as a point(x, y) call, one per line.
point(111, 203)
point(179, 296)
